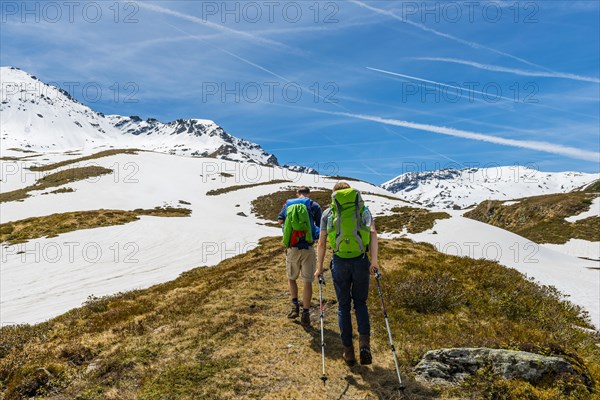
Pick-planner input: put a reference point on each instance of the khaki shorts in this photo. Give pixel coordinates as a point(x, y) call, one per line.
point(301, 262)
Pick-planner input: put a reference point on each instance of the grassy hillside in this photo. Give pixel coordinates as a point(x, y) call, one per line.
point(593, 187)
point(542, 218)
point(221, 333)
point(52, 225)
point(414, 220)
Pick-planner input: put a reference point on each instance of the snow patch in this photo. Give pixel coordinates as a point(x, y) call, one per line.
point(578, 248)
point(594, 211)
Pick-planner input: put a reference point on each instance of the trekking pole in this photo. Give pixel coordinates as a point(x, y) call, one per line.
point(321, 284)
point(387, 324)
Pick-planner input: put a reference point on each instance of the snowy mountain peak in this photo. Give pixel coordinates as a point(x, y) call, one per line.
point(192, 137)
point(460, 188)
point(37, 115)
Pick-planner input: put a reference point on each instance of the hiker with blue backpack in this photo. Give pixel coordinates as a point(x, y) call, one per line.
point(349, 228)
point(299, 218)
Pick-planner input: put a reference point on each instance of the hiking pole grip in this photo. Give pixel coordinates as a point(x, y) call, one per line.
point(377, 274)
point(321, 280)
point(378, 277)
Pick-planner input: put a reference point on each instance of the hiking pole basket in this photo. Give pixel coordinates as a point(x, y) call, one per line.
point(387, 324)
point(321, 284)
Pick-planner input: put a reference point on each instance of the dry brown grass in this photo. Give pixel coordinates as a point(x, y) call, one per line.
point(55, 179)
point(385, 197)
point(414, 220)
point(593, 187)
point(63, 190)
point(542, 218)
point(13, 158)
point(21, 150)
point(216, 192)
point(104, 153)
point(221, 333)
point(342, 178)
point(268, 206)
point(55, 224)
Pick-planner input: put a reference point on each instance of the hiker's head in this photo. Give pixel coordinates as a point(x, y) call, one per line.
point(303, 191)
point(341, 185)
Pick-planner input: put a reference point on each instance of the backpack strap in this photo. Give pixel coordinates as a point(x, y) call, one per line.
point(358, 219)
point(338, 225)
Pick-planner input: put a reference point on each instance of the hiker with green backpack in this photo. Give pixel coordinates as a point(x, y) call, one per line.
point(349, 228)
point(299, 218)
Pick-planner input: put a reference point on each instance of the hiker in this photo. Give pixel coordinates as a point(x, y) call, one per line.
point(349, 227)
point(299, 218)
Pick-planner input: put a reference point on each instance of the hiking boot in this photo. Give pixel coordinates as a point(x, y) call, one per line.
point(365, 349)
point(295, 312)
point(305, 320)
point(349, 357)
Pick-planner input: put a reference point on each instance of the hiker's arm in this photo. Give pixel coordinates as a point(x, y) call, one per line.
point(373, 249)
point(317, 214)
point(321, 249)
point(281, 216)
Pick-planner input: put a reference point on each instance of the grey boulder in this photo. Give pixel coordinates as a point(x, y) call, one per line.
point(450, 366)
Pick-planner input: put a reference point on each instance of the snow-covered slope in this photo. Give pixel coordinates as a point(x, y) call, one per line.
point(48, 276)
point(460, 188)
point(41, 117)
point(578, 248)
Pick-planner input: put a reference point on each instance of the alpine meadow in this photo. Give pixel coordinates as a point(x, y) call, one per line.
point(328, 200)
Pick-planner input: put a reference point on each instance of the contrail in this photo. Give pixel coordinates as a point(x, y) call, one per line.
point(439, 83)
point(268, 71)
point(479, 92)
point(333, 146)
point(497, 68)
point(231, 54)
point(422, 146)
point(525, 144)
point(444, 35)
point(373, 171)
point(204, 22)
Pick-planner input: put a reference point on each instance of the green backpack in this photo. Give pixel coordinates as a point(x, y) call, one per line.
point(347, 234)
point(298, 225)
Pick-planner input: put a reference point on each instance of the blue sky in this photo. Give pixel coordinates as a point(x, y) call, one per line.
point(452, 83)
